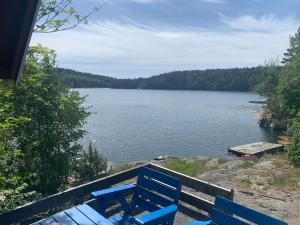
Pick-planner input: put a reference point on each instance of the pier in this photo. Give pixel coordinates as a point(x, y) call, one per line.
point(256, 149)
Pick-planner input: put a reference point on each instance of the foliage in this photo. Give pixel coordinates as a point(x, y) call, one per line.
point(77, 79)
point(91, 165)
point(59, 15)
point(42, 120)
point(270, 75)
point(294, 149)
point(17, 195)
point(236, 79)
point(294, 48)
point(282, 87)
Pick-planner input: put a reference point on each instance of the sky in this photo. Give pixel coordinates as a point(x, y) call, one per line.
point(141, 38)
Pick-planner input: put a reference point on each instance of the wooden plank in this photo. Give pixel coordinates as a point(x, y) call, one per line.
point(196, 201)
point(196, 184)
point(59, 199)
point(78, 216)
point(146, 205)
point(93, 215)
point(113, 191)
point(165, 214)
point(154, 198)
point(163, 178)
point(158, 187)
point(63, 218)
point(47, 221)
point(222, 218)
point(245, 212)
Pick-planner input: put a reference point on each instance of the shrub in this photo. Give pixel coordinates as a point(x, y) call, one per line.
point(91, 165)
point(294, 149)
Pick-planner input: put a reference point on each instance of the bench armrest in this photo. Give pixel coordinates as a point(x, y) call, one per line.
point(111, 192)
point(157, 216)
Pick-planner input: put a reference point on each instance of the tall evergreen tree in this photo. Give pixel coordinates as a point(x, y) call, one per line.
point(293, 49)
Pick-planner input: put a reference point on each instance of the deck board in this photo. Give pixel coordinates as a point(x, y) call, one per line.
point(64, 219)
point(47, 221)
point(78, 217)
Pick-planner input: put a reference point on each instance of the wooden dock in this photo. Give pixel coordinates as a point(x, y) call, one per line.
point(256, 149)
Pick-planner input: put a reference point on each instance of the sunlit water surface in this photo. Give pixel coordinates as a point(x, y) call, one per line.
point(133, 125)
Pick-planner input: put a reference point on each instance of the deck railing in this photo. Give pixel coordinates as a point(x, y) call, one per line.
point(81, 192)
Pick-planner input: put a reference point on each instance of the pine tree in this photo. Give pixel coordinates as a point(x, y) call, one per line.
point(294, 48)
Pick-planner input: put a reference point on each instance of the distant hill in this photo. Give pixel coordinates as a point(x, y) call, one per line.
point(235, 79)
point(84, 80)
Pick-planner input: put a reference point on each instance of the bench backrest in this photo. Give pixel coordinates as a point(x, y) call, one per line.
point(155, 190)
point(224, 210)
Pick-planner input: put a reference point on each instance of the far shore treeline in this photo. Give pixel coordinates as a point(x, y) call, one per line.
point(235, 79)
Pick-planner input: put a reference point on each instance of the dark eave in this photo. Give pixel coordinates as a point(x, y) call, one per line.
point(16, 24)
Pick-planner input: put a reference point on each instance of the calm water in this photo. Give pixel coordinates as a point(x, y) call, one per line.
point(132, 125)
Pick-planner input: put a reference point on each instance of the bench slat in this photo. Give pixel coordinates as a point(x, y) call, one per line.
point(225, 219)
point(150, 173)
point(158, 187)
point(148, 206)
point(154, 198)
point(252, 215)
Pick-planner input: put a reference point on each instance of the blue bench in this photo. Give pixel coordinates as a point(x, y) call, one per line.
point(226, 212)
point(154, 192)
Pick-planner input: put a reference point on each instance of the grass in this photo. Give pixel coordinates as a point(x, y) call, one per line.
point(188, 167)
point(289, 179)
point(244, 183)
point(222, 161)
point(246, 164)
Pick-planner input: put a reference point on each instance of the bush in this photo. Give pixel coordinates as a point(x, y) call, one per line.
point(91, 165)
point(294, 149)
point(17, 196)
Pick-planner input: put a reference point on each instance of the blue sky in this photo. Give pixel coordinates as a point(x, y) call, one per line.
point(140, 38)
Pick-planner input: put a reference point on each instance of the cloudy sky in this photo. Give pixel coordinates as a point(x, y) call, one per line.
point(140, 38)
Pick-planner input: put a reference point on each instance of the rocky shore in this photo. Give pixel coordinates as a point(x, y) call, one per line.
point(268, 184)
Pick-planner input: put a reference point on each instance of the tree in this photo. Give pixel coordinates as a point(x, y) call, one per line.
point(294, 148)
point(91, 165)
point(48, 119)
point(59, 15)
point(293, 49)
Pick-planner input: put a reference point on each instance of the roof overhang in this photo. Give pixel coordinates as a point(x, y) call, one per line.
point(16, 24)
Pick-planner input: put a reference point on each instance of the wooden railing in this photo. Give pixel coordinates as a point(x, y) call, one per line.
point(60, 199)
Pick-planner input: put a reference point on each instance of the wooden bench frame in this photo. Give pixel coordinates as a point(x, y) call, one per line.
point(227, 212)
point(28, 211)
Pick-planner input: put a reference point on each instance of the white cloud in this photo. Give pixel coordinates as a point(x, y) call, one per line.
point(267, 23)
point(125, 49)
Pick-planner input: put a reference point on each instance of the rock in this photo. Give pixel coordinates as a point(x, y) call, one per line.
point(159, 158)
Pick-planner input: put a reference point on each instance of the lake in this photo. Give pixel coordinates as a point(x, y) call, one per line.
point(133, 125)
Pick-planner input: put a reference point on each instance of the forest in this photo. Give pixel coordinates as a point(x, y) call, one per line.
point(235, 79)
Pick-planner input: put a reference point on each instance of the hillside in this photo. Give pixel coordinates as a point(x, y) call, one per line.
point(84, 80)
point(235, 79)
